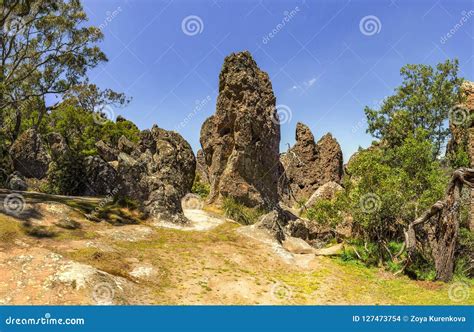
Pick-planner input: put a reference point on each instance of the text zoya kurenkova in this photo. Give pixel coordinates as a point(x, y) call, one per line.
point(437, 319)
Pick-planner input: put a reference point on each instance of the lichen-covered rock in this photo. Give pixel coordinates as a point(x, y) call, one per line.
point(106, 152)
point(201, 167)
point(29, 155)
point(15, 181)
point(57, 145)
point(100, 177)
point(125, 145)
point(241, 140)
point(159, 172)
point(327, 191)
point(308, 165)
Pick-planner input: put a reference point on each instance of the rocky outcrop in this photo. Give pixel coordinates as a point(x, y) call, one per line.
point(15, 181)
point(100, 178)
point(241, 140)
point(57, 145)
point(29, 155)
point(159, 172)
point(201, 167)
point(308, 165)
point(106, 152)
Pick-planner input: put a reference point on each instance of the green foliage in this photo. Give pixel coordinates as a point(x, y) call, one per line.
point(65, 174)
point(240, 213)
point(328, 212)
point(423, 101)
point(81, 129)
point(391, 186)
point(200, 188)
point(464, 266)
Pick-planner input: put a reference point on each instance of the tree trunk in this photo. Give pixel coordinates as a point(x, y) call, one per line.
point(441, 223)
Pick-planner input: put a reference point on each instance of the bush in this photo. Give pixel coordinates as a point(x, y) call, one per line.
point(240, 213)
point(200, 188)
point(327, 212)
point(65, 175)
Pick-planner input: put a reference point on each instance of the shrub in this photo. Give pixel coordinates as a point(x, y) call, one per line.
point(65, 175)
point(240, 213)
point(200, 188)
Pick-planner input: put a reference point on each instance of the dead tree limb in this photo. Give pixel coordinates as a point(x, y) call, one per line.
point(441, 225)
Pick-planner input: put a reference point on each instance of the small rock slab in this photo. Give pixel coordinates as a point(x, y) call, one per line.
point(297, 246)
point(331, 251)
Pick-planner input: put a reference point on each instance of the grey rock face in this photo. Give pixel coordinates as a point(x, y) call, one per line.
point(101, 178)
point(159, 172)
point(29, 155)
point(106, 152)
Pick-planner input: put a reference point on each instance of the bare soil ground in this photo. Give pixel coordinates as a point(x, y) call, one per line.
point(213, 261)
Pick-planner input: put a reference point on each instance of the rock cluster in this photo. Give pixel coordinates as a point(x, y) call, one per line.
point(308, 165)
point(29, 155)
point(241, 140)
point(158, 171)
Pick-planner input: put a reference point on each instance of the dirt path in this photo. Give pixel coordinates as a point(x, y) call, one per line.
point(211, 261)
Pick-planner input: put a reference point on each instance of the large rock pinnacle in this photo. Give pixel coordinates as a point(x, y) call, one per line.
point(241, 140)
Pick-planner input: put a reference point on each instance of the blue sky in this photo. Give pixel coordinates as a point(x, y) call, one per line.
point(325, 64)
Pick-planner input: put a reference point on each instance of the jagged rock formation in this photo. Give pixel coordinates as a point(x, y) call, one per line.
point(29, 155)
point(106, 152)
point(159, 172)
point(57, 145)
point(308, 165)
point(100, 178)
point(241, 140)
point(201, 167)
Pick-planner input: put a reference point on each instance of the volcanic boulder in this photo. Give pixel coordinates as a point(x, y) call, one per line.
point(29, 155)
point(159, 172)
point(201, 167)
point(308, 165)
point(241, 140)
